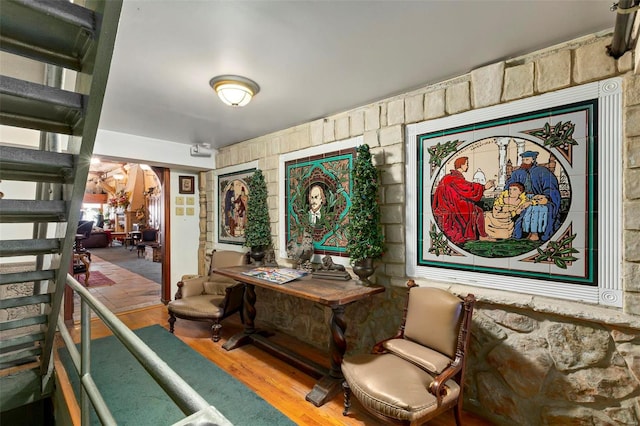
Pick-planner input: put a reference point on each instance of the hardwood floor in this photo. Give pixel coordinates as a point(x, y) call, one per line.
point(281, 385)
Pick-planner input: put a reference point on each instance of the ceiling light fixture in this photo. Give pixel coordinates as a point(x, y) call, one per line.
point(234, 90)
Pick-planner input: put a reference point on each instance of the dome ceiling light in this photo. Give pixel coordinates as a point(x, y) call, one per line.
point(234, 90)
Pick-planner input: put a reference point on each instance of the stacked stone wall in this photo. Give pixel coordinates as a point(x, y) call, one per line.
point(534, 360)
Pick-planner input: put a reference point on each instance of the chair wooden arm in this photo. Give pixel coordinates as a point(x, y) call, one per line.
point(438, 387)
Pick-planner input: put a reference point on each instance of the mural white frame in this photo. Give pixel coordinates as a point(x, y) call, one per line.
point(609, 202)
point(308, 152)
point(216, 173)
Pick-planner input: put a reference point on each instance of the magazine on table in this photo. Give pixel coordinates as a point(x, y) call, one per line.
point(276, 275)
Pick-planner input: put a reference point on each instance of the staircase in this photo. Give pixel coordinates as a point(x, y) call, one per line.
point(68, 39)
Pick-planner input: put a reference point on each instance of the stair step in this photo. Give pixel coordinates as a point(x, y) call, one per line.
point(30, 247)
point(28, 276)
point(24, 301)
point(69, 31)
point(25, 164)
point(30, 211)
point(19, 342)
point(19, 357)
point(23, 322)
point(36, 106)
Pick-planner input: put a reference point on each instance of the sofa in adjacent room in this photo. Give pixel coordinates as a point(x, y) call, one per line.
point(97, 239)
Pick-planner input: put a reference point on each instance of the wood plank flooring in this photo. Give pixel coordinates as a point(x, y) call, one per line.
point(281, 385)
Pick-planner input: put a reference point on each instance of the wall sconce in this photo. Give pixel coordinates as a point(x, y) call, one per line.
point(234, 90)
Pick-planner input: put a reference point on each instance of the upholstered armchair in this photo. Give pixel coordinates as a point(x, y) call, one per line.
point(419, 373)
point(209, 298)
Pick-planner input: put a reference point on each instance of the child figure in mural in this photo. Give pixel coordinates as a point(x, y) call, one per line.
point(499, 222)
point(541, 187)
point(454, 205)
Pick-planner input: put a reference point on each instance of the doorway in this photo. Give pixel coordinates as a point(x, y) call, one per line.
point(127, 272)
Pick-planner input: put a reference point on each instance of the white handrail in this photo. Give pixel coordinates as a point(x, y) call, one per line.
point(185, 397)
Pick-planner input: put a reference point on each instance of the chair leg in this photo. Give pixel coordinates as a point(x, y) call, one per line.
point(347, 397)
point(457, 412)
point(172, 321)
point(215, 331)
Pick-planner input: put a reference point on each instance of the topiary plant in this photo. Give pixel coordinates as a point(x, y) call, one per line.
point(364, 230)
point(258, 232)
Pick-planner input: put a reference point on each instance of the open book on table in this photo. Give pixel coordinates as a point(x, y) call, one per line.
point(276, 275)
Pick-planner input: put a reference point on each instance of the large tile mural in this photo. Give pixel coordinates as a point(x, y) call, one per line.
point(233, 194)
point(514, 195)
point(317, 191)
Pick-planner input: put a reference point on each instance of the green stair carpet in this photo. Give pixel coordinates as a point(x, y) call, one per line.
point(134, 398)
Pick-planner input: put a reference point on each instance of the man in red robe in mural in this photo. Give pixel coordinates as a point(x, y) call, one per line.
point(454, 205)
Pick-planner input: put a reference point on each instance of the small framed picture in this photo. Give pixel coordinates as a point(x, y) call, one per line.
point(186, 184)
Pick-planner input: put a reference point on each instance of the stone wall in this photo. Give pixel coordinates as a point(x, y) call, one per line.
point(534, 360)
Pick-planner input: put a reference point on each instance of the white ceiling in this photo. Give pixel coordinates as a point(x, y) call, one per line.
point(310, 58)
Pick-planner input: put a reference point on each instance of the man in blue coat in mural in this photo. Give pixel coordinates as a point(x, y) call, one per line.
point(541, 187)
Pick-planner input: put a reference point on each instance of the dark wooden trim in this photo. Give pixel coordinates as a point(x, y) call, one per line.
point(165, 180)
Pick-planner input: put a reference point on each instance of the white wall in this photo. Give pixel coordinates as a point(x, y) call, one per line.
point(156, 152)
point(185, 231)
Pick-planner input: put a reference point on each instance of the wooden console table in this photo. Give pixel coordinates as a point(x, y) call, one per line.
point(331, 293)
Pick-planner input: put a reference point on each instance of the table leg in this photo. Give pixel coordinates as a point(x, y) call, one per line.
point(331, 384)
point(249, 315)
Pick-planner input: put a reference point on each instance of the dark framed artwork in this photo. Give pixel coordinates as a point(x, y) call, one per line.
point(233, 195)
point(515, 192)
point(186, 184)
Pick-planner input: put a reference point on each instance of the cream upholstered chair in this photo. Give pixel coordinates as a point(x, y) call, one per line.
point(211, 297)
point(419, 373)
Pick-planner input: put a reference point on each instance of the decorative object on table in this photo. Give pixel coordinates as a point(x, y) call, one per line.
point(258, 231)
point(301, 253)
point(186, 184)
point(331, 271)
point(366, 241)
point(276, 275)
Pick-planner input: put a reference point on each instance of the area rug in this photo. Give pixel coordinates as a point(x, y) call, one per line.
point(96, 279)
point(130, 261)
point(136, 399)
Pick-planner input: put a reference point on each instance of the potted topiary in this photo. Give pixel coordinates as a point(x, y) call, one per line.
point(258, 232)
point(365, 238)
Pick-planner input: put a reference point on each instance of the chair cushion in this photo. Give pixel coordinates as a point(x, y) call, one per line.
point(433, 319)
point(426, 358)
point(192, 287)
point(217, 287)
point(203, 306)
point(394, 387)
point(217, 278)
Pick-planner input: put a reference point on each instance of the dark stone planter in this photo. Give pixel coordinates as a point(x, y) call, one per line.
point(257, 254)
point(364, 269)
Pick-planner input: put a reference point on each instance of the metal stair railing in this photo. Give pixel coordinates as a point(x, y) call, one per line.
point(196, 408)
